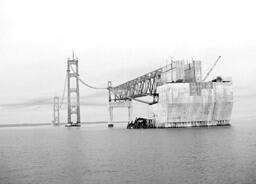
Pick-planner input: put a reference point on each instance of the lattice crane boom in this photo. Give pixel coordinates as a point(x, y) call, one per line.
point(209, 72)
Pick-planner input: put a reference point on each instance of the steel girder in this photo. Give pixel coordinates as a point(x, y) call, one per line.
point(145, 85)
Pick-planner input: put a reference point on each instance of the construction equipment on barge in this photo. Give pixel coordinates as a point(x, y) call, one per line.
point(180, 97)
point(141, 123)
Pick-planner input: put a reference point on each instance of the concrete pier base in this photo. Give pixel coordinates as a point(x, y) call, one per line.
point(194, 124)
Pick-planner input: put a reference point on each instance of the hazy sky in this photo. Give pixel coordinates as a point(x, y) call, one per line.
point(117, 40)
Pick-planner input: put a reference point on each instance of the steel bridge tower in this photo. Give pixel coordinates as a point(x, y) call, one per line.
point(115, 103)
point(56, 111)
point(73, 92)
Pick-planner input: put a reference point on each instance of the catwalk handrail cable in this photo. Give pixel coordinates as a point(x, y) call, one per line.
point(84, 83)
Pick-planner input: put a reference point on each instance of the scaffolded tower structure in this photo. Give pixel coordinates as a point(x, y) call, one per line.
point(56, 111)
point(73, 92)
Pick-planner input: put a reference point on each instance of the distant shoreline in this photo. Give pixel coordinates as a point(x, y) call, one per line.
point(47, 124)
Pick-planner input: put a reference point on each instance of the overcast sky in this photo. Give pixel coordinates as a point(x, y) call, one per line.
point(118, 40)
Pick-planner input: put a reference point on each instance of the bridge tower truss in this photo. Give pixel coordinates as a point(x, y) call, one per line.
point(56, 111)
point(73, 92)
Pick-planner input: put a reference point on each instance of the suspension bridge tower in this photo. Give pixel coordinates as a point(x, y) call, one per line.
point(73, 96)
point(56, 111)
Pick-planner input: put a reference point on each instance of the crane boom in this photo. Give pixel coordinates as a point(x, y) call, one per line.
point(211, 68)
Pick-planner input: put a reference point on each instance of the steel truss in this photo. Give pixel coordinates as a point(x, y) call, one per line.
point(144, 85)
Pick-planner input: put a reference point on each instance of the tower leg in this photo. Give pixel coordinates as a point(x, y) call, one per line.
point(110, 106)
point(122, 104)
point(110, 120)
point(56, 111)
point(130, 110)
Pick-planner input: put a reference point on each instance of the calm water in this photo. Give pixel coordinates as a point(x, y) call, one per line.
point(96, 154)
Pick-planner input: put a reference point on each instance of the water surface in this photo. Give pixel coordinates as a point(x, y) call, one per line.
point(96, 154)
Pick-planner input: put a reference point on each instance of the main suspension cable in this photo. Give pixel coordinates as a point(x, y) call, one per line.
point(84, 83)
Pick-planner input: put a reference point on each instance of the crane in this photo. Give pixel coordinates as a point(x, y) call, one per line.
point(207, 75)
